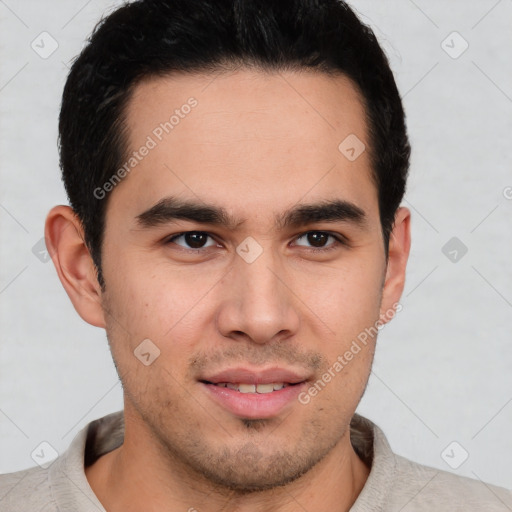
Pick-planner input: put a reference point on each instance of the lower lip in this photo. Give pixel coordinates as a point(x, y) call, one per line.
point(254, 405)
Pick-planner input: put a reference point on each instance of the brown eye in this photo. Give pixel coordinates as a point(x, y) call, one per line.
point(318, 240)
point(192, 240)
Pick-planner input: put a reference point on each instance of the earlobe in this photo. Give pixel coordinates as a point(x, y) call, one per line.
point(65, 243)
point(399, 247)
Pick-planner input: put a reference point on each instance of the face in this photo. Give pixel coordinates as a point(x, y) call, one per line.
point(247, 248)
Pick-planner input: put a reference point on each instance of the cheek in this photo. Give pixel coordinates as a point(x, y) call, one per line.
point(170, 308)
point(347, 299)
point(148, 298)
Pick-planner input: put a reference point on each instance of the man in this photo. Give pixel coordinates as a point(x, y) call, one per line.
point(235, 171)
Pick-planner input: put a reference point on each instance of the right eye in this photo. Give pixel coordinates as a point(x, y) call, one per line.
point(192, 240)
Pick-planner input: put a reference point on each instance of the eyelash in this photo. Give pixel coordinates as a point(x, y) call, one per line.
point(339, 241)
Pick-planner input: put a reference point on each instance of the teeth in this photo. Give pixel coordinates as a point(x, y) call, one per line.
point(253, 388)
point(246, 388)
point(265, 388)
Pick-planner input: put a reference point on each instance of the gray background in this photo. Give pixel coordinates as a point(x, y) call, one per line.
point(442, 370)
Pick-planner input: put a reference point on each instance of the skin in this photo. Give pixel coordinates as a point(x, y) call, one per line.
point(256, 144)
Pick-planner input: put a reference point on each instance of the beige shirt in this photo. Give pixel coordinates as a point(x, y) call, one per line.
point(395, 484)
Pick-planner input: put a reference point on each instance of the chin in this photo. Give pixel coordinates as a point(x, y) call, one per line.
point(251, 469)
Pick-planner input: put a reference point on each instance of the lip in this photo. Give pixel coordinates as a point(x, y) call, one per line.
point(255, 405)
point(261, 376)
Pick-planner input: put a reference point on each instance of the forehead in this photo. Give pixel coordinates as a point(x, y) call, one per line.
point(248, 138)
point(249, 102)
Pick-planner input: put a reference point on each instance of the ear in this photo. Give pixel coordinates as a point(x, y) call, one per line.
point(399, 247)
point(64, 238)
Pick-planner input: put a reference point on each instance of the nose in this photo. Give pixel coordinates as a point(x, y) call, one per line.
point(258, 305)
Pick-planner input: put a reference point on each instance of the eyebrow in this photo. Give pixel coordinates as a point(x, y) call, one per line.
point(170, 209)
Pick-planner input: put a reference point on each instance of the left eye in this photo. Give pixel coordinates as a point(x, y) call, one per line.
point(317, 239)
point(192, 240)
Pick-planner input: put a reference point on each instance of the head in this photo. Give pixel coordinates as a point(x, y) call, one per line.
point(274, 135)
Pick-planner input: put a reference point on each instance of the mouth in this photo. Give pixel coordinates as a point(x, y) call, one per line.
point(253, 388)
point(255, 394)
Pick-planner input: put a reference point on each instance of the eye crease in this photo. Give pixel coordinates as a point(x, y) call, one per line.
point(314, 237)
point(192, 238)
point(195, 240)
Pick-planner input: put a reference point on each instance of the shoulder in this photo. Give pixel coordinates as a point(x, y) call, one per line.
point(397, 484)
point(26, 490)
point(62, 485)
point(420, 488)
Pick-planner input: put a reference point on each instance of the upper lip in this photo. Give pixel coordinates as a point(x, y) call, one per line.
point(256, 376)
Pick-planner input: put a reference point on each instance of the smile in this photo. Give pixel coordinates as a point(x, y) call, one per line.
point(253, 388)
point(254, 401)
